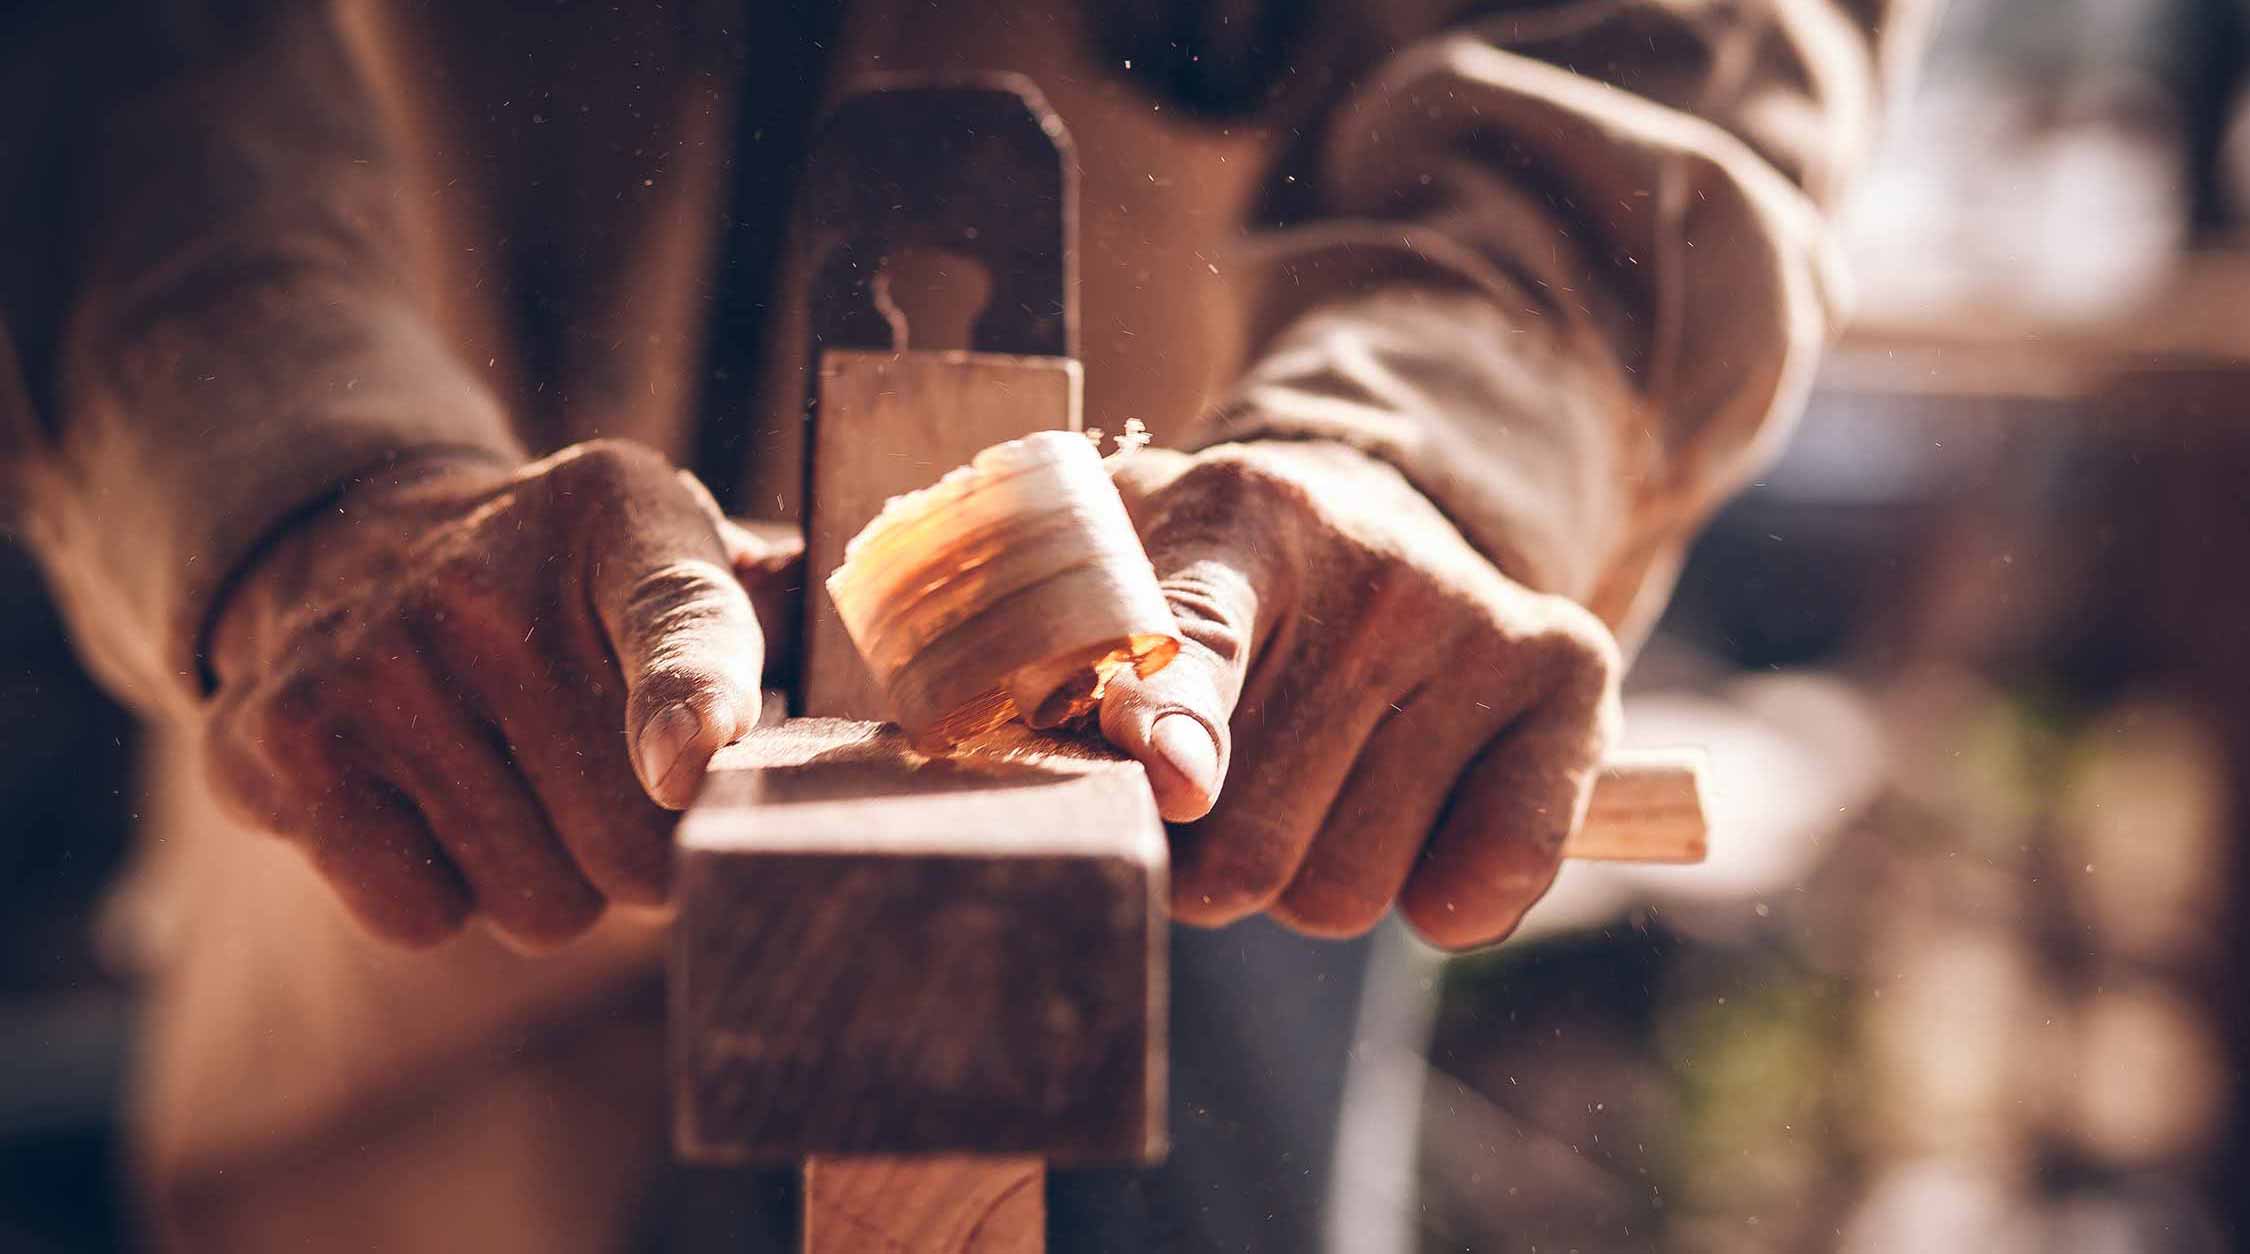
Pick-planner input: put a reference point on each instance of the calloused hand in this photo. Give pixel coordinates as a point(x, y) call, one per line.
point(476, 689)
point(1393, 720)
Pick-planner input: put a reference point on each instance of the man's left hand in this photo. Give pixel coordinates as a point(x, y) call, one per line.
point(1392, 719)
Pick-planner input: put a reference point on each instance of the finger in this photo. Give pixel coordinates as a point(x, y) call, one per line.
point(370, 844)
point(1301, 740)
point(1175, 722)
point(1499, 842)
point(276, 766)
point(481, 811)
point(558, 704)
point(684, 635)
point(1374, 831)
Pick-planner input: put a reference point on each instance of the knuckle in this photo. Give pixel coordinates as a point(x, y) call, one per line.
point(1464, 911)
point(1235, 481)
point(1584, 671)
point(1440, 926)
point(1331, 910)
point(425, 928)
point(1212, 905)
point(1231, 874)
point(683, 593)
point(1235, 494)
point(606, 469)
point(1460, 912)
point(547, 920)
point(245, 787)
point(1579, 639)
point(293, 704)
point(673, 606)
point(706, 684)
point(621, 841)
point(1552, 656)
point(1487, 657)
point(464, 591)
point(500, 638)
point(1399, 589)
point(693, 619)
point(290, 734)
point(1209, 600)
point(640, 877)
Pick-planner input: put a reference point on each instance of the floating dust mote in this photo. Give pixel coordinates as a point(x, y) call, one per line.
point(1013, 587)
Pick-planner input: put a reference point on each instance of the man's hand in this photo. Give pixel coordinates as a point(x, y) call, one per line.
point(475, 689)
point(1403, 722)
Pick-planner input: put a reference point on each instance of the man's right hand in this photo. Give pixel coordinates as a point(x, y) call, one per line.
point(477, 689)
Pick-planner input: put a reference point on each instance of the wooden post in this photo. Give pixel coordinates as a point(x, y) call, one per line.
point(923, 978)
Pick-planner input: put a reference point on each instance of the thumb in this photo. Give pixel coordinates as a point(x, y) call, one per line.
point(1175, 721)
point(685, 636)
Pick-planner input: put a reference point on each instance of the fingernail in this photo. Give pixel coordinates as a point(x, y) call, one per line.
point(1186, 747)
point(663, 739)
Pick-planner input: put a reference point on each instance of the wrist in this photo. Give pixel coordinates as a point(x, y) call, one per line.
point(351, 532)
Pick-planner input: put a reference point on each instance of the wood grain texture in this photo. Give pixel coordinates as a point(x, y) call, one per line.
point(925, 1205)
point(882, 953)
point(892, 423)
point(1012, 587)
point(1648, 806)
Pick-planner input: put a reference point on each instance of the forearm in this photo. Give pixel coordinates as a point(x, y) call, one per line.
point(243, 335)
point(1575, 310)
point(1521, 448)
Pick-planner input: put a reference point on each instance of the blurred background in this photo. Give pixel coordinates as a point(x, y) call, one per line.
point(1967, 970)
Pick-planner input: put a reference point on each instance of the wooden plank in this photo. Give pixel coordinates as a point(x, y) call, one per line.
point(892, 423)
point(929, 1205)
point(1648, 806)
point(881, 953)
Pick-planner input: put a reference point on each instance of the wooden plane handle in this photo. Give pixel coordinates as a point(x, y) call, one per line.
point(1648, 806)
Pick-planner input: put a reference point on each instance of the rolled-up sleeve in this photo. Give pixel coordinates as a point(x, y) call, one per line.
point(215, 316)
point(1567, 266)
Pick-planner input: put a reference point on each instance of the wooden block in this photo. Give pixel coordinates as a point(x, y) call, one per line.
point(881, 953)
point(892, 423)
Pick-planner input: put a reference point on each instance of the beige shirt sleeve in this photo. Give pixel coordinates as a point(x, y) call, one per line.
point(1567, 266)
point(236, 331)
